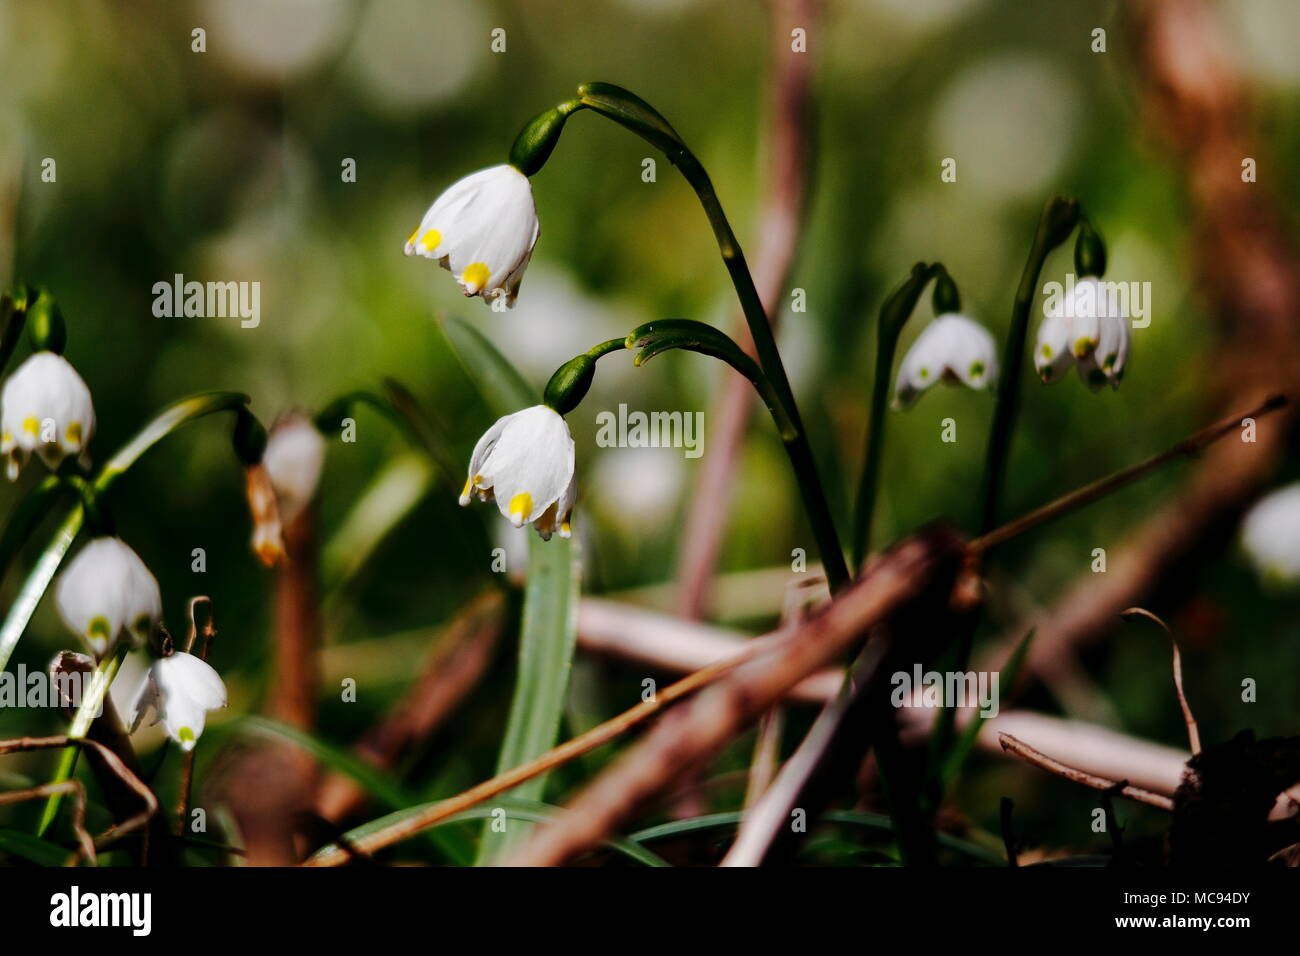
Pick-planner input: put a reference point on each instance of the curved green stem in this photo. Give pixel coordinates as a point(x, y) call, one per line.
point(635, 114)
point(1054, 226)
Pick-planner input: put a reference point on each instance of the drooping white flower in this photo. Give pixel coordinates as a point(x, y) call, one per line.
point(482, 230)
point(525, 462)
point(951, 348)
point(180, 690)
point(1088, 326)
point(294, 456)
point(108, 589)
point(45, 407)
point(1270, 535)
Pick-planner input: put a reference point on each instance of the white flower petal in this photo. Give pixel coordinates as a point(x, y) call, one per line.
point(526, 462)
point(186, 688)
point(482, 229)
point(1052, 354)
point(1270, 534)
point(45, 407)
point(105, 589)
point(294, 457)
point(951, 347)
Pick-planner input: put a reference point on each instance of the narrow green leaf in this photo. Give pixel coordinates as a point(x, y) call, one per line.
point(30, 511)
point(547, 640)
point(33, 848)
point(376, 783)
point(502, 387)
point(1010, 673)
point(528, 811)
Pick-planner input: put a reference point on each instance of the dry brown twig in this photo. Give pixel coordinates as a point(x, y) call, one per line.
point(74, 789)
point(1050, 764)
point(1193, 735)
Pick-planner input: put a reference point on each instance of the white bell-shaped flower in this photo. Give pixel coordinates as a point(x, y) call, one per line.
point(105, 590)
point(180, 690)
point(525, 462)
point(952, 348)
point(294, 456)
point(45, 407)
point(1088, 326)
point(482, 230)
point(1270, 535)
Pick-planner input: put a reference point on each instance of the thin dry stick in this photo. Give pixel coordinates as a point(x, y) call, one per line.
point(111, 760)
point(598, 735)
point(691, 735)
point(1104, 486)
point(1039, 759)
point(1193, 735)
point(778, 241)
point(68, 788)
point(187, 767)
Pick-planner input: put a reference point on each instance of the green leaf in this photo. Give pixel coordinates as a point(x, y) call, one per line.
point(30, 511)
point(42, 573)
point(375, 782)
point(33, 848)
point(528, 811)
point(547, 640)
point(548, 635)
point(502, 387)
point(874, 821)
point(1010, 673)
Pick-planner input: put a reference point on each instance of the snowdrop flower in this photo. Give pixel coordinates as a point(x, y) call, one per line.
point(45, 407)
point(952, 348)
point(1087, 326)
point(294, 456)
point(180, 690)
point(1270, 534)
point(108, 589)
point(482, 230)
point(525, 463)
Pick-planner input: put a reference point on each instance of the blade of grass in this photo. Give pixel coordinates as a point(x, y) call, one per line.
point(376, 783)
point(32, 848)
point(873, 821)
point(1010, 674)
point(529, 811)
point(548, 634)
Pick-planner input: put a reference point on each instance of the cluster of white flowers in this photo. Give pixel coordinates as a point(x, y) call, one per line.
point(952, 348)
point(107, 594)
point(1087, 327)
point(45, 408)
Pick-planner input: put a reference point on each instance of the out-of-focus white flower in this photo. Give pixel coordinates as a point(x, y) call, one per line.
point(180, 690)
point(1270, 534)
point(45, 407)
point(294, 456)
point(952, 348)
point(482, 230)
point(108, 589)
point(525, 462)
point(1087, 326)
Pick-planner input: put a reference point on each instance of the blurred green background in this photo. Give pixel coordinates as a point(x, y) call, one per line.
point(225, 165)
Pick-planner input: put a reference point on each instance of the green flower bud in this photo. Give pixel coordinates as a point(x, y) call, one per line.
point(45, 326)
point(570, 384)
point(946, 298)
point(1089, 252)
point(533, 146)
